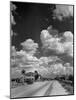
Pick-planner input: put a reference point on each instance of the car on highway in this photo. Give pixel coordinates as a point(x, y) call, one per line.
point(29, 78)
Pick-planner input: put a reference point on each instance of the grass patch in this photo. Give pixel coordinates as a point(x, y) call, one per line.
point(68, 86)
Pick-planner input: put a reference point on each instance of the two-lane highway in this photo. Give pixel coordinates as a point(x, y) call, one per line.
point(45, 88)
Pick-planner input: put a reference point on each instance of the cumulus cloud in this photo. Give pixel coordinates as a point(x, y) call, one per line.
point(60, 45)
point(26, 58)
point(56, 68)
point(60, 69)
point(45, 36)
point(48, 60)
point(63, 11)
point(68, 36)
point(44, 65)
point(50, 41)
point(23, 59)
point(52, 31)
point(29, 46)
point(26, 55)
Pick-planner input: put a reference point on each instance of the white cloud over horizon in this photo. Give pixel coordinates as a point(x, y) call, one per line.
point(32, 63)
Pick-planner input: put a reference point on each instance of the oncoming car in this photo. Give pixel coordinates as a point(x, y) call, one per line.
point(29, 78)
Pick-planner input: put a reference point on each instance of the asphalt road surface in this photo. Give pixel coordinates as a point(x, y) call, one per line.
point(46, 88)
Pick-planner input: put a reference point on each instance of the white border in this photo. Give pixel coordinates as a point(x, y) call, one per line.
point(5, 48)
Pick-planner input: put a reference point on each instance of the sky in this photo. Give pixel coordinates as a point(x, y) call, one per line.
point(40, 32)
point(31, 18)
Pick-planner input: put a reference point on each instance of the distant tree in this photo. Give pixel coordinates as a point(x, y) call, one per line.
point(36, 75)
point(23, 72)
point(70, 77)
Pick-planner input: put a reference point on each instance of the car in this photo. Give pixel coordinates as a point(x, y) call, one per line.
point(29, 78)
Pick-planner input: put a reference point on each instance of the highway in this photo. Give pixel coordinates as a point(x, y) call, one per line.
point(45, 88)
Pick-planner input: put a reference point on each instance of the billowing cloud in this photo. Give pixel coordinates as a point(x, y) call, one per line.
point(52, 31)
point(26, 55)
point(46, 66)
point(56, 68)
point(45, 36)
point(60, 69)
point(46, 61)
point(29, 46)
point(63, 11)
point(23, 59)
point(60, 45)
point(68, 36)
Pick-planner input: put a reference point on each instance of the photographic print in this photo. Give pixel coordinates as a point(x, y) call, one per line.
point(41, 49)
